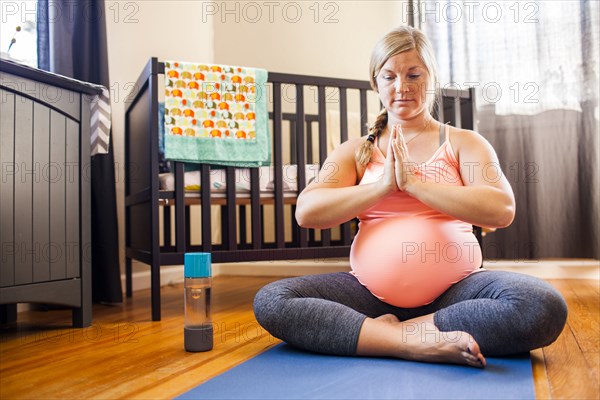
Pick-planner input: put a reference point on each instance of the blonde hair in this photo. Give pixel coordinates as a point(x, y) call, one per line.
point(400, 40)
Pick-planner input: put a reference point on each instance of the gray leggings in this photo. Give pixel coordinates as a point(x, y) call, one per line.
point(506, 313)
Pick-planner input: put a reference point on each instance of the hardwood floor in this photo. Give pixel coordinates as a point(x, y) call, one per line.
point(126, 355)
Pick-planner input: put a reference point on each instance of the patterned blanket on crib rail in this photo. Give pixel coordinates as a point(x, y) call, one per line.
point(216, 114)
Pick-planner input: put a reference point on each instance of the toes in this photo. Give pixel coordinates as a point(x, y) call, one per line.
point(473, 350)
point(476, 364)
point(472, 360)
point(482, 360)
point(473, 347)
point(469, 357)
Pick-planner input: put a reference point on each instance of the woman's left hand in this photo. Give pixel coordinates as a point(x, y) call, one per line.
point(405, 168)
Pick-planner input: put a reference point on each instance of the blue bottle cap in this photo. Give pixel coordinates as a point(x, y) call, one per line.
point(197, 265)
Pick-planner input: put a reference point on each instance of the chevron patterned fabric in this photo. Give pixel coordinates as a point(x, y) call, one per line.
point(100, 122)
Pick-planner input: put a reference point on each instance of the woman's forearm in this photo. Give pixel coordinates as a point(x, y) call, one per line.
point(483, 206)
point(323, 208)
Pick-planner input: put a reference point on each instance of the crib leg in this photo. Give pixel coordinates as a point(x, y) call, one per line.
point(155, 290)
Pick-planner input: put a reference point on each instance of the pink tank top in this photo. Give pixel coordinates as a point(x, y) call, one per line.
point(406, 253)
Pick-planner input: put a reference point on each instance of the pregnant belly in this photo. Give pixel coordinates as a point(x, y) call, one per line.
point(410, 262)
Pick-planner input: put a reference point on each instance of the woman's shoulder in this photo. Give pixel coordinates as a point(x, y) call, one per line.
point(465, 137)
point(345, 155)
point(467, 141)
point(348, 149)
point(354, 143)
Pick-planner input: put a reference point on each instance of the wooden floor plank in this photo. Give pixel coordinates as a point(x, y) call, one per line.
point(593, 361)
point(583, 302)
point(126, 355)
point(540, 378)
point(567, 369)
point(567, 366)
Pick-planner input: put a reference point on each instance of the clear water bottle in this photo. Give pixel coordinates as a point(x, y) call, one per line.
point(198, 329)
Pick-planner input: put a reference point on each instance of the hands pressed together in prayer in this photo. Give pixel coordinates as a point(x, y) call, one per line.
point(399, 170)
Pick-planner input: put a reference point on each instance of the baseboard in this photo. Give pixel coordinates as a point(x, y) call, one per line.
point(550, 268)
point(545, 269)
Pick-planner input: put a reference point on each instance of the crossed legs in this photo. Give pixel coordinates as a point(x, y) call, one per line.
point(491, 313)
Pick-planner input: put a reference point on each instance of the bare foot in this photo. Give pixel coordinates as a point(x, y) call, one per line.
point(423, 341)
point(418, 340)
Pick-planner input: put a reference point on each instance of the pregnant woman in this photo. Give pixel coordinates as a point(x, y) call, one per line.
point(417, 186)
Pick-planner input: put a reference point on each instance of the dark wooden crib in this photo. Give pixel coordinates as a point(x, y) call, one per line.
point(240, 241)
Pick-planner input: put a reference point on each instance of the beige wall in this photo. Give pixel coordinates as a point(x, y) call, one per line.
point(335, 41)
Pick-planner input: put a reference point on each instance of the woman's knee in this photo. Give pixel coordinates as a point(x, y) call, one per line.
point(543, 314)
point(268, 300)
point(552, 313)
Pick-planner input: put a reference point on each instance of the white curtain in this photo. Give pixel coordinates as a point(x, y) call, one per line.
point(535, 67)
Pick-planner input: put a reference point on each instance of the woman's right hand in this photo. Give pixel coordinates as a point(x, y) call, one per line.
point(388, 179)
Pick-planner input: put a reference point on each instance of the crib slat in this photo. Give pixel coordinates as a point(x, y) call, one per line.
point(301, 161)
point(205, 200)
point(188, 228)
point(255, 209)
point(363, 112)
point(293, 150)
point(180, 223)
point(229, 228)
point(278, 167)
point(166, 211)
point(325, 233)
point(345, 228)
point(322, 125)
point(343, 115)
point(309, 143)
point(242, 224)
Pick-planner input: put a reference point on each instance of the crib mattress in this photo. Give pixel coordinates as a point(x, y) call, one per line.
point(218, 181)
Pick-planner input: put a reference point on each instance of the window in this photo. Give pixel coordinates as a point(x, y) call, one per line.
point(522, 57)
point(18, 31)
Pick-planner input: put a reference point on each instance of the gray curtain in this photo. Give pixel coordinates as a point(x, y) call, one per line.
point(543, 123)
point(74, 45)
point(548, 165)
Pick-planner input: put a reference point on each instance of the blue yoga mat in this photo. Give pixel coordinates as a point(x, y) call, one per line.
point(285, 372)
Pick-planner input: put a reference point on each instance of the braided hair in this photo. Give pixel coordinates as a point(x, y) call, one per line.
point(364, 152)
